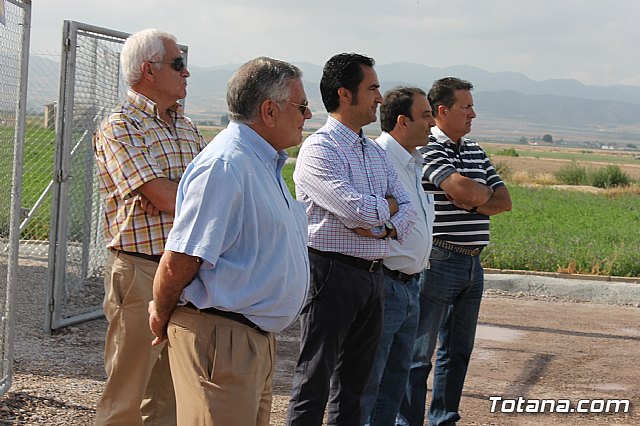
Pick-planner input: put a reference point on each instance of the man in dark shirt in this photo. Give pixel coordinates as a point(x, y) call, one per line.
point(467, 190)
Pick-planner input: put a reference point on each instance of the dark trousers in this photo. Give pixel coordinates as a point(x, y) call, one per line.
point(341, 325)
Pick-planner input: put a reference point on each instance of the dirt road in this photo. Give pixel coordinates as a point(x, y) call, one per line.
point(527, 346)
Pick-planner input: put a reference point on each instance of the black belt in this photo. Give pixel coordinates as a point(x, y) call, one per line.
point(151, 257)
point(234, 316)
point(397, 275)
point(369, 265)
point(456, 248)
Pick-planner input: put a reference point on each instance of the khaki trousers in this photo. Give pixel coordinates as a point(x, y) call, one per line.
point(222, 370)
point(138, 390)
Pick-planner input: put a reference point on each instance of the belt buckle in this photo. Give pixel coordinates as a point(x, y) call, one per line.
point(374, 263)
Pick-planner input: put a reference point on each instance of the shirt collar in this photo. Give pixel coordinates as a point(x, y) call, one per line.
point(148, 106)
point(393, 147)
point(444, 139)
point(345, 132)
point(263, 149)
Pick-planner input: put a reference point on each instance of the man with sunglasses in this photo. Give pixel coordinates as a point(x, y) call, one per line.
point(235, 270)
point(141, 150)
point(355, 205)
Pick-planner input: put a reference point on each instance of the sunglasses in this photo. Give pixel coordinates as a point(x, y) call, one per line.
point(302, 107)
point(177, 63)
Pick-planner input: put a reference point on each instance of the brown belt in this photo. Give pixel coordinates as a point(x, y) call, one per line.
point(151, 257)
point(234, 316)
point(456, 248)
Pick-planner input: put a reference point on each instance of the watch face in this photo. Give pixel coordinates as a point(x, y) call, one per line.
point(378, 231)
point(388, 225)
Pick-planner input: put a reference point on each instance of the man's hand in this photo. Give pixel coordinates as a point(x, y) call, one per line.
point(157, 325)
point(147, 205)
point(393, 205)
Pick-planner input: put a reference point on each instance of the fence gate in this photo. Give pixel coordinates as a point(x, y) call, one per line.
point(15, 25)
point(91, 85)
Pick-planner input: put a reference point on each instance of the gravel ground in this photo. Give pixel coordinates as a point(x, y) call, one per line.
point(58, 379)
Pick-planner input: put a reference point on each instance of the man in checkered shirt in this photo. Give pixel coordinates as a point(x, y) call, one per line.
point(355, 203)
point(141, 150)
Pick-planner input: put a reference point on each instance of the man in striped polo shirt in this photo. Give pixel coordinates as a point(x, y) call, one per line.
point(467, 190)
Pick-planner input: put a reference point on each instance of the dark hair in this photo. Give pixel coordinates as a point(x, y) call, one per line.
point(256, 81)
point(397, 101)
point(342, 70)
point(443, 92)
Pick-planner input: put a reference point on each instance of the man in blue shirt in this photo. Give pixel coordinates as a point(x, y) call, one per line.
point(235, 268)
point(355, 204)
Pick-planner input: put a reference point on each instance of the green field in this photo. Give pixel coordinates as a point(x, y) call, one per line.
point(561, 231)
point(37, 173)
point(548, 229)
point(568, 154)
point(558, 231)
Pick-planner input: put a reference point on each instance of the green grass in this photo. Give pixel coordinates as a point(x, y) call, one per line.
point(552, 230)
point(561, 231)
point(287, 174)
point(37, 172)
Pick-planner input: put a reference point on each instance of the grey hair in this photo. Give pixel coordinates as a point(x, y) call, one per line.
point(256, 81)
point(145, 45)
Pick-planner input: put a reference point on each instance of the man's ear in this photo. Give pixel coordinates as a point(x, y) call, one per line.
point(442, 110)
point(147, 71)
point(345, 95)
point(268, 113)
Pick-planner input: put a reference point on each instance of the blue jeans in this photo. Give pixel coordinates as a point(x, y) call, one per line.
point(387, 382)
point(450, 298)
point(341, 324)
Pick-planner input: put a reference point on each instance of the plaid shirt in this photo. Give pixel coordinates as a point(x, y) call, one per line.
point(132, 147)
point(343, 178)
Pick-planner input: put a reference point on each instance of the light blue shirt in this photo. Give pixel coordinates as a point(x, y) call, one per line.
point(234, 211)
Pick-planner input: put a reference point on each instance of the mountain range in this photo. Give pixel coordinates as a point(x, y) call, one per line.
point(509, 105)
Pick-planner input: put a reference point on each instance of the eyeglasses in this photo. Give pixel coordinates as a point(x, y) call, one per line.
point(302, 107)
point(177, 63)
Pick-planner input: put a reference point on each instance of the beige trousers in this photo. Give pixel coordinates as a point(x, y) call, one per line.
point(222, 370)
point(138, 390)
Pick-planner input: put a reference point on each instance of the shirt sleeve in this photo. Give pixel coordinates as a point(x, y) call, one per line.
point(405, 218)
point(322, 175)
point(120, 146)
point(207, 221)
point(438, 166)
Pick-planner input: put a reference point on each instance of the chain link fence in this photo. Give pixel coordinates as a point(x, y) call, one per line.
point(15, 22)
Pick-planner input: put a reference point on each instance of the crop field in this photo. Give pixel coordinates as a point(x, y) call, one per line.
point(551, 228)
point(540, 160)
point(557, 228)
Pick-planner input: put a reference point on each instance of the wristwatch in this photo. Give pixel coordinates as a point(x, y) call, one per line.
point(388, 225)
point(379, 231)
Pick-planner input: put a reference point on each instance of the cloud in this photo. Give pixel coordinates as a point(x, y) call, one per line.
point(595, 42)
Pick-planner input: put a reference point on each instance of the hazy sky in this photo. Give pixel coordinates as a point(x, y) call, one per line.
point(594, 41)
